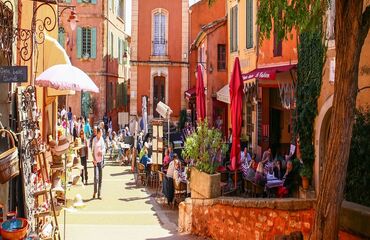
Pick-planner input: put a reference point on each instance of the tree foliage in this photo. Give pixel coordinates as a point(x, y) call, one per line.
point(283, 16)
point(358, 177)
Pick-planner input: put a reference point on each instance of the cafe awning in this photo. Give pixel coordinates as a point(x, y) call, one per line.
point(267, 73)
point(223, 94)
point(190, 93)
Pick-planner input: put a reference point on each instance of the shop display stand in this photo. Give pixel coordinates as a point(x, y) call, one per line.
point(48, 197)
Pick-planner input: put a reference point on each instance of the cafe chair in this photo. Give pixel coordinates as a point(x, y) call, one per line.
point(160, 182)
point(180, 192)
point(141, 174)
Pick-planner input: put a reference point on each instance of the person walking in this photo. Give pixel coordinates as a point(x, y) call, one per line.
point(84, 153)
point(87, 129)
point(98, 148)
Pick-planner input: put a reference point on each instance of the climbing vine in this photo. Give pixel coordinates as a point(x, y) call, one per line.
point(311, 57)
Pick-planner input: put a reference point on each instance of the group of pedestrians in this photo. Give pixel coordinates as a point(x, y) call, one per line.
point(91, 138)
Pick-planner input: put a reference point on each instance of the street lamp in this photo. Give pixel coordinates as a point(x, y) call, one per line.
point(73, 20)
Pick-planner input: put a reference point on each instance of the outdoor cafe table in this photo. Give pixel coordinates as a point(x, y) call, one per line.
point(272, 182)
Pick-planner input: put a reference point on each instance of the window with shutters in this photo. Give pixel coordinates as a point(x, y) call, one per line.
point(234, 29)
point(249, 24)
point(86, 42)
point(87, 1)
point(159, 37)
point(221, 57)
point(121, 9)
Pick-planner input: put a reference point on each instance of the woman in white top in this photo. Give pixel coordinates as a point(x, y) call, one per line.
point(98, 149)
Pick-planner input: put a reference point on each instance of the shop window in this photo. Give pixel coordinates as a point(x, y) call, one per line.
point(221, 57)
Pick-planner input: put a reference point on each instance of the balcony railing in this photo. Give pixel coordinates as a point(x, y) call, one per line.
point(159, 47)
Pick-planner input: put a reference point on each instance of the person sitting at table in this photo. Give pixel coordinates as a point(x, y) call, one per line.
point(245, 158)
point(290, 179)
point(253, 163)
point(144, 158)
point(278, 170)
point(166, 160)
point(267, 156)
point(260, 177)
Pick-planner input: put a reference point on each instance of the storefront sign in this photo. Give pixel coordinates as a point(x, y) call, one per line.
point(13, 74)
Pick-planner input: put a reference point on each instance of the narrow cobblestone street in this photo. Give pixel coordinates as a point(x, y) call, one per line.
point(125, 211)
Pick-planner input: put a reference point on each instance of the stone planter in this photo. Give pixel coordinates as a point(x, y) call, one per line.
point(204, 185)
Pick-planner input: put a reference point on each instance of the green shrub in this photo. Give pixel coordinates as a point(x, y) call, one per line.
point(202, 148)
point(358, 172)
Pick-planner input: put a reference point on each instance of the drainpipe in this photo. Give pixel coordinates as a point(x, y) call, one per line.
point(106, 16)
point(257, 51)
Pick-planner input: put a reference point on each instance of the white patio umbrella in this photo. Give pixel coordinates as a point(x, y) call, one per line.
point(66, 77)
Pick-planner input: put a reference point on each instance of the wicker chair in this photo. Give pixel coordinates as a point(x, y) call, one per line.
point(160, 183)
point(141, 174)
point(180, 191)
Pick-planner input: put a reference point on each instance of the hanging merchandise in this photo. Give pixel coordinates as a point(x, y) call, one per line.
point(9, 162)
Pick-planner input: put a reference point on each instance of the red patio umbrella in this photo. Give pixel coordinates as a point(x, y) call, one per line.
point(201, 99)
point(236, 101)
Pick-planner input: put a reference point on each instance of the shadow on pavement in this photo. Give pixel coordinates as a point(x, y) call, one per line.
point(133, 199)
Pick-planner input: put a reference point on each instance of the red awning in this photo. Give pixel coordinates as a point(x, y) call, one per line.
point(267, 73)
point(190, 92)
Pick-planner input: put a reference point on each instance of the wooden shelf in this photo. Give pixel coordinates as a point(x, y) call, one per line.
point(35, 194)
point(42, 214)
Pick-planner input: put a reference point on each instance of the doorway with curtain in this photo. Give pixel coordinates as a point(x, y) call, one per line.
point(159, 86)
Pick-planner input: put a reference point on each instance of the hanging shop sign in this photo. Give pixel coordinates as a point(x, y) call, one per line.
point(13, 74)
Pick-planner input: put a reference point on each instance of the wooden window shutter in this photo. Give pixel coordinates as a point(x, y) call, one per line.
point(79, 42)
point(249, 23)
point(93, 42)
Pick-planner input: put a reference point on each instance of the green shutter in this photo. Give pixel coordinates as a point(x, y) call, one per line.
point(119, 51)
point(79, 42)
point(79, 1)
point(93, 1)
point(231, 29)
point(93, 42)
point(249, 23)
point(68, 1)
point(61, 37)
point(124, 43)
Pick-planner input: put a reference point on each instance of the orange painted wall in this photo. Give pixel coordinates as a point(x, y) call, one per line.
point(175, 55)
point(202, 14)
point(89, 15)
point(174, 29)
point(289, 51)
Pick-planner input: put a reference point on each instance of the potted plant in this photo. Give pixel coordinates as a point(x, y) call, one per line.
point(204, 149)
point(306, 175)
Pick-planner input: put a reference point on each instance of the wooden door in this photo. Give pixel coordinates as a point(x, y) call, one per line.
point(158, 93)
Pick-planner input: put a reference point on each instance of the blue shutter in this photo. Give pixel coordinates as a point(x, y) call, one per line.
point(79, 42)
point(68, 1)
point(93, 42)
point(93, 1)
point(79, 1)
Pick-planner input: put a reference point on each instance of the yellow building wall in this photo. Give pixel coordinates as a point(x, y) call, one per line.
point(44, 56)
point(247, 57)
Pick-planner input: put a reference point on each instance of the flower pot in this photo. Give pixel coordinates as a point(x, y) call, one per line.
point(204, 185)
point(305, 183)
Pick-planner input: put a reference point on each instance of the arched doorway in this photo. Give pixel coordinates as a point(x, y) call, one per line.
point(159, 86)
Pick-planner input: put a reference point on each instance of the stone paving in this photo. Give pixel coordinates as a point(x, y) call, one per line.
point(125, 211)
